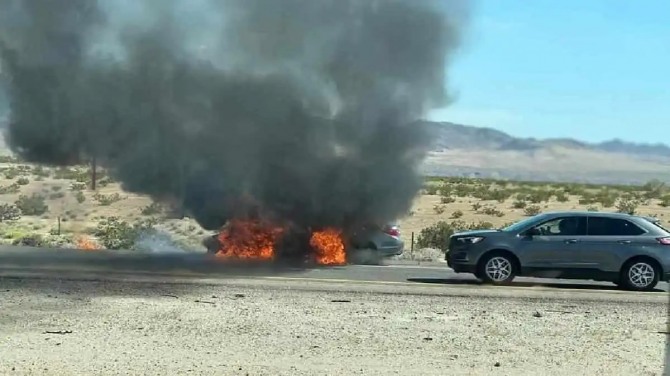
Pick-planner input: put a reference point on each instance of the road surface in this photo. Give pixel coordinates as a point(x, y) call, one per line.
point(22, 261)
point(118, 313)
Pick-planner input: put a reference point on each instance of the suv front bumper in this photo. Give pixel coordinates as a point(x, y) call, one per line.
point(459, 262)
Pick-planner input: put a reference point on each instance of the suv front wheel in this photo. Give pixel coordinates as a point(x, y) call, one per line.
point(497, 268)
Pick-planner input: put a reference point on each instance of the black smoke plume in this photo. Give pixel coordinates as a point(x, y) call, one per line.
point(308, 107)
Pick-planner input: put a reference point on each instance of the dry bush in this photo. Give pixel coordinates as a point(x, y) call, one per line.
point(532, 210)
point(9, 213)
point(32, 205)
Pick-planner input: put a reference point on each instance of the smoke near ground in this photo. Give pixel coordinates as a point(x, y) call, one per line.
point(306, 108)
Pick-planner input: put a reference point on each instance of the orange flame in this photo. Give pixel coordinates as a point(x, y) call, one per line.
point(329, 247)
point(86, 243)
point(248, 240)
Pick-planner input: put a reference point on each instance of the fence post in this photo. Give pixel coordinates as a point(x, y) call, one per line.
point(94, 173)
point(59, 225)
point(411, 252)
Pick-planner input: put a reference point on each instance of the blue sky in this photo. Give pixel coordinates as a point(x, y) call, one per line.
point(587, 69)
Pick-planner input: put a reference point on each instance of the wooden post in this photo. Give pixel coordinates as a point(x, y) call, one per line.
point(59, 225)
point(94, 173)
point(411, 252)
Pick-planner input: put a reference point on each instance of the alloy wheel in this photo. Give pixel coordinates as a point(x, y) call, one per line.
point(498, 269)
point(641, 274)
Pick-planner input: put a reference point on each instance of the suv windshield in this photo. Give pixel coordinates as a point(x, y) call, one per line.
point(518, 226)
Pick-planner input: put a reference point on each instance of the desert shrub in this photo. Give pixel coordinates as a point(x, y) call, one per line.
point(532, 210)
point(9, 213)
point(507, 224)
point(32, 205)
point(10, 189)
point(492, 211)
point(9, 173)
point(22, 181)
point(431, 189)
point(80, 197)
point(437, 235)
point(592, 208)
point(31, 240)
point(102, 175)
point(476, 206)
point(562, 197)
point(587, 199)
point(8, 159)
point(439, 209)
point(36, 240)
point(462, 190)
point(634, 196)
point(537, 197)
point(519, 204)
point(116, 234)
point(447, 199)
point(605, 197)
point(627, 206)
point(76, 174)
point(457, 214)
point(500, 195)
point(153, 209)
point(104, 182)
point(654, 189)
point(77, 186)
point(665, 201)
point(40, 172)
point(607, 201)
point(106, 200)
point(56, 195)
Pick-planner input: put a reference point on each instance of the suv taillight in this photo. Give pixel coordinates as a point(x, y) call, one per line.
point(664, 241)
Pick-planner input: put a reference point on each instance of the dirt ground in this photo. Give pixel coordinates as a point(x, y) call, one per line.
point(52, 327)
point(423, 215)
point(78, 217)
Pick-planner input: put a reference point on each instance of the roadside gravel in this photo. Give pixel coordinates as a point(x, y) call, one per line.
point(122, 328)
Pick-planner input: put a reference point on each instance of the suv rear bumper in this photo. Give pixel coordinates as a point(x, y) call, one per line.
point(396, 250)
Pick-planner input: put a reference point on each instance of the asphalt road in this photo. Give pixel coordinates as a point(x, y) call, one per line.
point(25, 262)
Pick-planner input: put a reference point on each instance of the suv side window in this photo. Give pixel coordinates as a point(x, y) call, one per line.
point(564, 226)
point(603, 226)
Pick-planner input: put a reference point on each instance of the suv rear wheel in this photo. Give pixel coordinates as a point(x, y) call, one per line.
point(497, 268)
point(639, 275)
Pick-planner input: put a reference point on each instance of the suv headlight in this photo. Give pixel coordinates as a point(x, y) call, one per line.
point(471, 239)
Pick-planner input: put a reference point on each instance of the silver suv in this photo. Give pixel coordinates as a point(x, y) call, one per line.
point(631, 251)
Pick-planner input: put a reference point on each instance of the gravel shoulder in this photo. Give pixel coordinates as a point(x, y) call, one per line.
point(283, 327)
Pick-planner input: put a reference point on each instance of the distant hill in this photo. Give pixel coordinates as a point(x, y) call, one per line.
point(461, 150)
point(477, 151)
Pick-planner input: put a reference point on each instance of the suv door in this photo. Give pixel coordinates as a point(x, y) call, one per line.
point(556, 244)
point(610, 241)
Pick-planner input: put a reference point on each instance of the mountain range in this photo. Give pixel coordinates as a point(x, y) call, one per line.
point(462, 150)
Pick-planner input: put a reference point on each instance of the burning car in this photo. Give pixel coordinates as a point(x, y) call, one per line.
point(385, 240)
point(254, 240)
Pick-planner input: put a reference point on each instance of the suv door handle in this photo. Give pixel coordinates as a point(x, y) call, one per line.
point(571, 241)
point(624, 242)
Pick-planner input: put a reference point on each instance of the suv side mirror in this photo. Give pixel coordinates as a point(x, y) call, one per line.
point(534, 231)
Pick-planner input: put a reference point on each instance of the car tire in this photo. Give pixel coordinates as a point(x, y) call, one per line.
point(639, 275)
point(497, 268)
